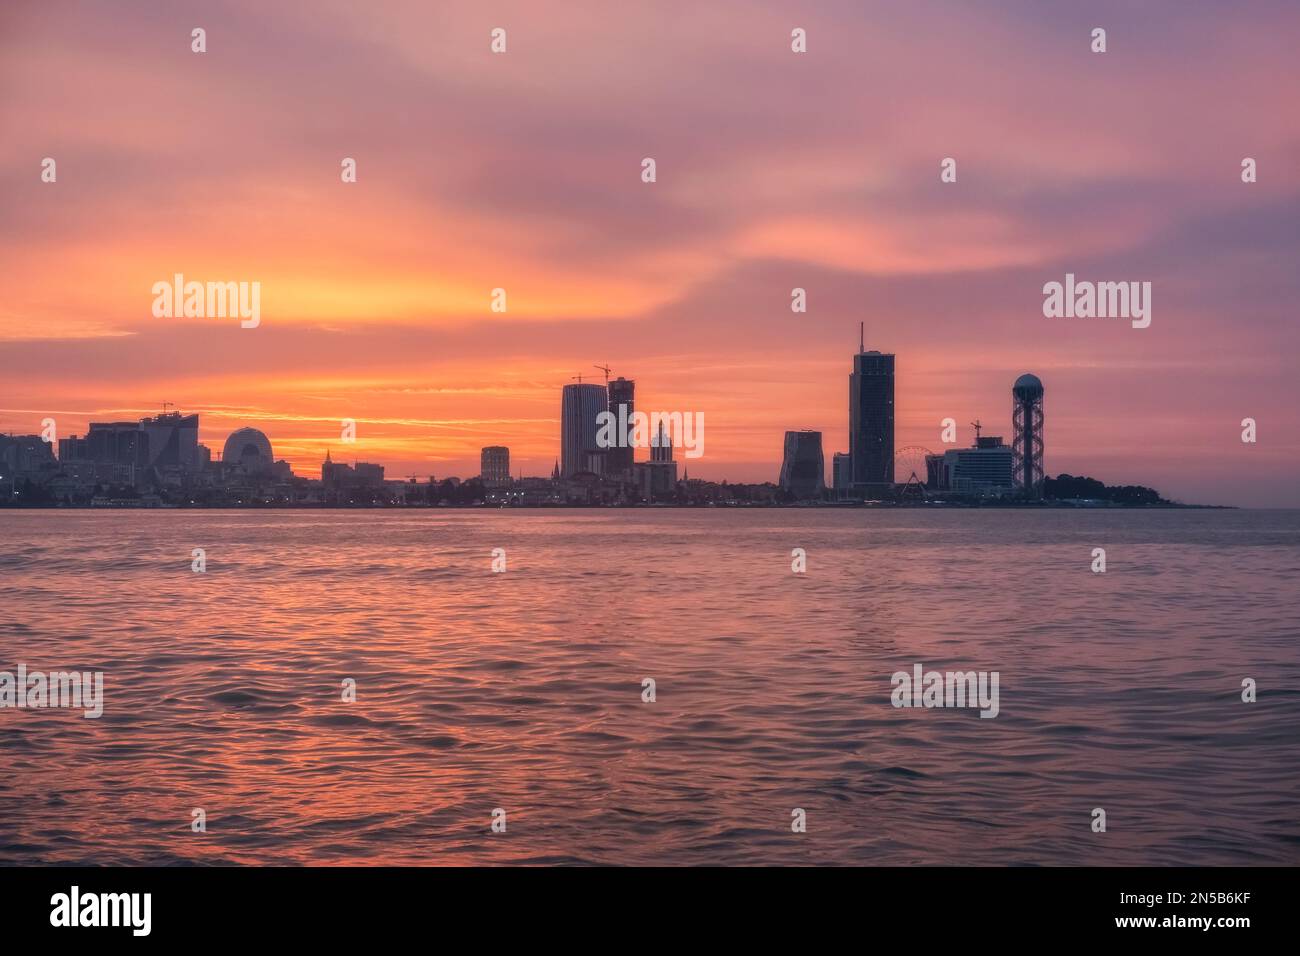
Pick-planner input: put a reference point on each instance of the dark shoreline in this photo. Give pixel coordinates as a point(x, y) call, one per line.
point(714, 506)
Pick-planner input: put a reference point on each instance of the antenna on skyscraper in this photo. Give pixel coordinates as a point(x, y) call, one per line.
point(862, 336)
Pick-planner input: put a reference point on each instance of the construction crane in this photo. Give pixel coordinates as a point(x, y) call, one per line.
point(977, 426)
point(606, 369)
point(578, 377)
point(167, 405)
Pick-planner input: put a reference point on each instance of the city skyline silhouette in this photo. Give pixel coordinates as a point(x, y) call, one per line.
point(819, 172)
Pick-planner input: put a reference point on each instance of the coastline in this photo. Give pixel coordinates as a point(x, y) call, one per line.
point(638, 506)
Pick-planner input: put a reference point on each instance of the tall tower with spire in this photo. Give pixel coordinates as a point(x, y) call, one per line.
point(661, 446)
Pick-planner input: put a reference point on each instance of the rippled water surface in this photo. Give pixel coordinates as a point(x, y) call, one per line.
point(523, 690)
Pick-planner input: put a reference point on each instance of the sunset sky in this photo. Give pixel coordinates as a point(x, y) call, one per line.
point(775, 170)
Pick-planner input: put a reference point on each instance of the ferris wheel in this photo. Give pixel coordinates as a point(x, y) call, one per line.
point(909, 464)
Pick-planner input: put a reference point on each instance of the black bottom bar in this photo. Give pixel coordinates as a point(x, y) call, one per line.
point(655, 906)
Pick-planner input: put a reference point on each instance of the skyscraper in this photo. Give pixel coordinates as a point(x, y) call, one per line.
point(618, 460)
point(164, 449)
point(803, 469)
point(117, 443)
point(581, 406)
point(1027, 439)
point(871, 418)
point(494, 466)
point(173, 440)
point(841, 473)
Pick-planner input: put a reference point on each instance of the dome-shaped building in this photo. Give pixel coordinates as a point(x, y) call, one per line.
point(1028, 386)
point(250, 450)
